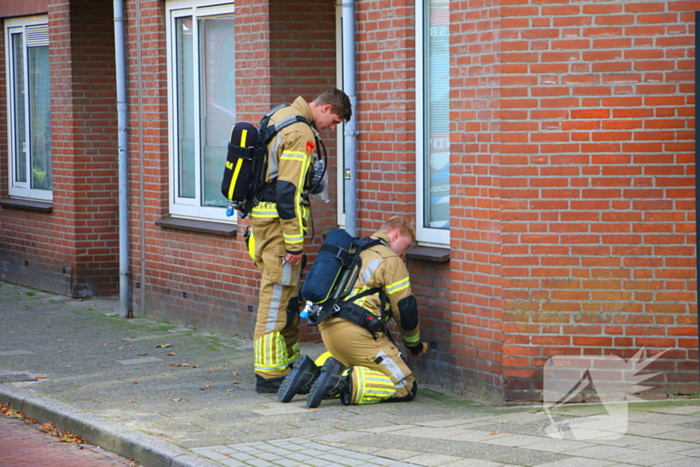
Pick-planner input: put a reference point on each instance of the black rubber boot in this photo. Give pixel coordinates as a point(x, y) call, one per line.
point(328, 384)
point(346, 389)
point(267, 386)
point(299, 381)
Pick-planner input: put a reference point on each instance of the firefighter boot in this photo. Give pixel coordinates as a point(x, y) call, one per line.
point(269, 386)
point(299, 381)
point(329, 383)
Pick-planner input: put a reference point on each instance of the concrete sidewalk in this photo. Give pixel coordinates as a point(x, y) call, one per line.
point(170, 396)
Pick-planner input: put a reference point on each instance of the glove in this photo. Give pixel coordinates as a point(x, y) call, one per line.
point(415, 349)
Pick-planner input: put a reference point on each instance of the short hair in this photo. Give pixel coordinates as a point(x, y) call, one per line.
point(401, 224)
point(339, 101)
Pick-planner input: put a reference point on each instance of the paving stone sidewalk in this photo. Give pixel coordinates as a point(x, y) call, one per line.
point(176, 397)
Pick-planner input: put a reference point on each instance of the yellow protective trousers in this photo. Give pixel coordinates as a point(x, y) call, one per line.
point(379, 373)
point(276, 329)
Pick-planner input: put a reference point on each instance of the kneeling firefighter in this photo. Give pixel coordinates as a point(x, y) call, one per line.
point(366, 367)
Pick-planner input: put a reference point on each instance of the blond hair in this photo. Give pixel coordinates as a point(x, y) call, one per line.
point(401, 224)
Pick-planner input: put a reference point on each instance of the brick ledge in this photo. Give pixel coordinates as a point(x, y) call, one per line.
point(192, 225)
point(429, 253)
point(29, 205)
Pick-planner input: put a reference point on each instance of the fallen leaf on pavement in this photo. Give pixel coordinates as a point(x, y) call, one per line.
point(134, 382)
point(171, 354)
point(178, 399)
point(63, 436)
point(235, 373)
point(162, 346)
point(40, 377)
point(10, 412)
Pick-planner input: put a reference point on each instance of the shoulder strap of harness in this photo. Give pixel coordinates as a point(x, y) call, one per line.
point(267, 133)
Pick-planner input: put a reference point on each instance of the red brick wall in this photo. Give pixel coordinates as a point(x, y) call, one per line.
point(572, 207)
point(476, 227)
point(10, 8)
point(215, 272)
point(91, 167)
point(386, 164)
point(386, 111)
point(148, 157)
point(73, 249)
point(596, 146)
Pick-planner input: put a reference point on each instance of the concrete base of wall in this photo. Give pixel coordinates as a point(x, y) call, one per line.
point(38, 274)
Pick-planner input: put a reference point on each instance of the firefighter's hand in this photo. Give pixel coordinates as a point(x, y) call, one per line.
point(293, 259)
point(418, 349)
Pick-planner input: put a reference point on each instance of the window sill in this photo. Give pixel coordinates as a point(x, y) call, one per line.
point(28, 205)
point(429, 253)
point(192, 225)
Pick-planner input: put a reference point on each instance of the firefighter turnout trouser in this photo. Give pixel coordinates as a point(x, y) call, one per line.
point(379, 373)
point(276, 329)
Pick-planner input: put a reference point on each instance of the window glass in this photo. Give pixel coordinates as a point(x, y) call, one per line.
point(19, 114)
point(218, 91)
point(202, 77)
point(437, 112)
point(185, 108)
point(40, 117)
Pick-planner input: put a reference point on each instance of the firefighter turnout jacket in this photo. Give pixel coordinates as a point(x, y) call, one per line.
point(291, 154)
point(383, 269)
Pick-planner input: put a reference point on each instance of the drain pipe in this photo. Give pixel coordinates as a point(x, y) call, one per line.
point(349, 78)
point(120, 56)
point(697, 155)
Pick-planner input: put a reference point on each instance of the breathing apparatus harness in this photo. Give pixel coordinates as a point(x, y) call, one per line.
point(244, 183)
point(336, 302)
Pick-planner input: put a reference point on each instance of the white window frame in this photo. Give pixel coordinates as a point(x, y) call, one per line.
point(14, 25)
point(189, 207)
point(426, 236)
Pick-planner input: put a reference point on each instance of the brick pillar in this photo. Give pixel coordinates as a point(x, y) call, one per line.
point(84, 143)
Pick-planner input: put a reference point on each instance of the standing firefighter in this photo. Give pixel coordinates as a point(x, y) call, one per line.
point(366, 367)
point(279, 223)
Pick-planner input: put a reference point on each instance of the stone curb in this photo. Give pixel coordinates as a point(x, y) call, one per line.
point(107, 434)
